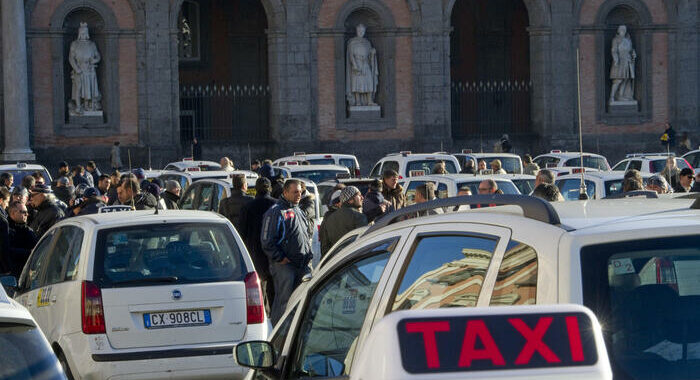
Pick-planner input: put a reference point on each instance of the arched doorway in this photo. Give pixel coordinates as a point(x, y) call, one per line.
point(223, 71)
point(490, 69)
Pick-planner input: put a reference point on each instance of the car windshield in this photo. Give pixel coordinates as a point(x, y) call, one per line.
point(509, 164)
point(317, 176)
point(658, 165)
point(25, 354)
point(506, 186)
point(19, 174)
point(178, 253)
point(428, 165)
point(594, 162)
point(646, 294)
point(525, 186)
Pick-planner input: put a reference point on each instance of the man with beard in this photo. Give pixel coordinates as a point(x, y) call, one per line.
point(48, 212)
point(130, 194)
point(392, 191)
point(22, 238)
point(348, 217)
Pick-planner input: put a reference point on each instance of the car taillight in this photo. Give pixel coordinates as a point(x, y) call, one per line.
point(651, 167)
point(357, 172)
point(400, 177)
point(253, 299)
point(92, 312)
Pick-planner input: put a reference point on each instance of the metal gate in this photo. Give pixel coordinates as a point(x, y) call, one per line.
point(489, 109)
point(225, 113)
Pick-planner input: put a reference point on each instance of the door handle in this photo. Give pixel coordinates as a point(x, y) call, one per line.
point(53, 299)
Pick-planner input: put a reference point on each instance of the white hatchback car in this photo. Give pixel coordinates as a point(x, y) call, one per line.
point(598, 184)
point(511, 163)
point(347, 160)
point(648, 163)
point(144, 295)
point(405, 163)
point(633, 262)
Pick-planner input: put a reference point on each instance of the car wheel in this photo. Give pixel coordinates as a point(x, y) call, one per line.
point(64, 364)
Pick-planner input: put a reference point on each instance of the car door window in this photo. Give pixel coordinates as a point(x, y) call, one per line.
point(187, 202)
point(411, 192)
point(391, 165)
point(206, 198)
point(441, 191)
point(621, 166)
point(334, 316)
point(277, 341)
point(32, 276)
point(219, 195)
point(444, 271)
point(635, 164)
point(61, 255)
point(516, 283)
point(376, 172)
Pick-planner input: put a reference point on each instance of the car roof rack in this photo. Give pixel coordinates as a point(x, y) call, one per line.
point(649, 194)
point(533, 208)
point(636, 155)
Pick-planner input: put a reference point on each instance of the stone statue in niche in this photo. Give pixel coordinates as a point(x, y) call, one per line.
point(185, 39)
point(622, 69)
point(361, 75)
point(83, 58)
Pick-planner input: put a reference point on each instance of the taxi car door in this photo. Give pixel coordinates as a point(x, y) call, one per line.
point(336, 309)
point(31, 283)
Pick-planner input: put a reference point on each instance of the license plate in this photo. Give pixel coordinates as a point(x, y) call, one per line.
point(180, 318)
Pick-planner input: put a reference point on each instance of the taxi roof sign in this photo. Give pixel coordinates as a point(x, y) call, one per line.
point(416, 173)
point(114, 208)
point(527, 342)
point(467, 151)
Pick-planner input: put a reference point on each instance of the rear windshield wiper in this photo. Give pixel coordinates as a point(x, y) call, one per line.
point(167, 279)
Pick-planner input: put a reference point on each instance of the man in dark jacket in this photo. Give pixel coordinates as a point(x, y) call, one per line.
point(345, 219)
point(5, 259)
point(171, 195)
point(231, 207)
point(392, 191)
point(307, 205)
point(93, 171)
point(92, 202)
point(129, 194)
point(103, 184)
point(48, 212)
point(22, 238)
point(251, 228)
point(374, 204)
point(63, 190)
point(287, 245)
point(80, 177)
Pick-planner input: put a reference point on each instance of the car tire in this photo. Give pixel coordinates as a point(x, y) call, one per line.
point(64, 364)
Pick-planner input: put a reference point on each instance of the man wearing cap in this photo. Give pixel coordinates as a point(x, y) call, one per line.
point(392, 191)
point(251, 228)
point(171, 195)
point(286, 243)
point(231, 207)
point(348, 217)
point(48, 212)
point(63, 190)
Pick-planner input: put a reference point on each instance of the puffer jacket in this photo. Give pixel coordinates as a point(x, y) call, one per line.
point(145, 201)
point(396, 196)
point(91, 206)
point(284, 234)
point(340, 222)
point(231, 207)
point(47, 214)
point(308, 207)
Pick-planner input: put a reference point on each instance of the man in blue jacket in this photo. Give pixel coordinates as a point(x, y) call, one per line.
point(286, 243)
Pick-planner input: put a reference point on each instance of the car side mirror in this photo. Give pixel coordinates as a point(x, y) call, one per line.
point(255, 354)
point(10, 284)
point(307, 277)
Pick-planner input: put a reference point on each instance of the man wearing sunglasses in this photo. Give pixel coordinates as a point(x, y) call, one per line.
point(685, 181)
point(22, 238)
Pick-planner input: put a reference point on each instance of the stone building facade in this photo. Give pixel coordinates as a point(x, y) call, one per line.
point(262, 78)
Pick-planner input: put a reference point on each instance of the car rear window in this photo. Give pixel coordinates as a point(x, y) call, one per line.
point(178, 253)
point(658, 165)
point(571, 188)
point(317, 176)
point(588, 162)
point(18, 175)
point(506, 186)
point(322, 161)
point(509, 164)
point(646, 295)
point(428, 165)
point(525, 186)
point(25, 354)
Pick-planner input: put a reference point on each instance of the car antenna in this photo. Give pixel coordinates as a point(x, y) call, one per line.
point(128, 153)
point(583, 194)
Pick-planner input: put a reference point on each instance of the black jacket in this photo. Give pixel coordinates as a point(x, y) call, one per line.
point(308, 207)
point(47, 214)
point(170, 199)
point(5, 258)
point(112, 195)
point(284, 234)
point(91, 206)
point(370, 206)
point(340, 222)
point(64, 193)
point(95, 174)
point(251, 228)
point(22, 241)
point(231, 207)
point(145, 201)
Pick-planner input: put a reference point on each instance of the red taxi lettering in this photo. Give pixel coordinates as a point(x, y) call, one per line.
point(428, 329)
point(534, 340)
point(574, 332)
point(477, 328)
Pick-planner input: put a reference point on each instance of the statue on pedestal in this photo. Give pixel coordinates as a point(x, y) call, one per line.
point(622, 70)
point(83, 58)
point(185, 39)
point(361, 72)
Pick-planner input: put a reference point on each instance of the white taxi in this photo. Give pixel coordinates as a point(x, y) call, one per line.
point(316, 173)
point(598, 184)
point(23, 169)
point(144, 295)
point(347, 160)
point(406, 162)
point(511, 163)
point(188, 164)
point(649, 162)
point(633, 262)
point(26, 354)
point(565, 162)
